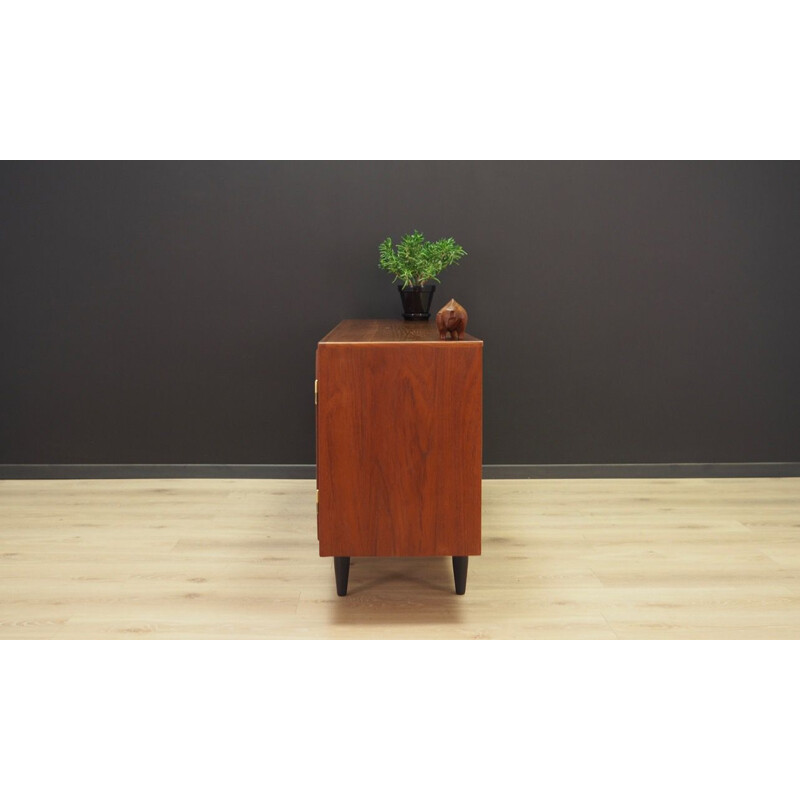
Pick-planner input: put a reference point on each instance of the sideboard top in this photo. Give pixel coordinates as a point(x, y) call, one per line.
point(389, 331)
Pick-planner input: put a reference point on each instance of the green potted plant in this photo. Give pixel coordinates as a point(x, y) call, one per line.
point(416, 262)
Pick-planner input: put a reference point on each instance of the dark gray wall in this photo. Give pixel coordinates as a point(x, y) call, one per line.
point(168, 312)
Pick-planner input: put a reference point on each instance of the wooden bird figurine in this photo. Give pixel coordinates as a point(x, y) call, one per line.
point(453, 318)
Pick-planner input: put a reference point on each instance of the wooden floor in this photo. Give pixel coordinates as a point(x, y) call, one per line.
point(562, 559)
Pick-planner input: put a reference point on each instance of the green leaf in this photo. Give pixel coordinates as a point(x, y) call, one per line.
point(415, 260)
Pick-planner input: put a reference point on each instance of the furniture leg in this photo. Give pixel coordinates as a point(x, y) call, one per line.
point(460, 564)
point(341, 566)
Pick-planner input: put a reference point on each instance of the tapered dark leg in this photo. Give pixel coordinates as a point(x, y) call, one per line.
point(460, 564)
point(341, 566)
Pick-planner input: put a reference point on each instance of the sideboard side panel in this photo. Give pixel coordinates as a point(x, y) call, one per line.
point(399, 449)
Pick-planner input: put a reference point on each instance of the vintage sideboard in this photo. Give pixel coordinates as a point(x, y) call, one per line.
point(399, 423)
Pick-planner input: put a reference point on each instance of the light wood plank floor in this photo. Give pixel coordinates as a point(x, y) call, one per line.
point(562, 559)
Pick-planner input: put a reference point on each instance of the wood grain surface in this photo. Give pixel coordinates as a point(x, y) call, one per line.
point(353, 331)
point(399, 448)
point(562, 559)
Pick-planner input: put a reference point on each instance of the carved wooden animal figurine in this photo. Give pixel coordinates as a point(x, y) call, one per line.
point(453, 318)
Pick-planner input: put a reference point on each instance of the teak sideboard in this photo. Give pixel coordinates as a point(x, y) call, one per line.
point(399, 420)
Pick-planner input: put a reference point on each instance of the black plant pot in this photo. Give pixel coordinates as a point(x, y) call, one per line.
point(417, 301)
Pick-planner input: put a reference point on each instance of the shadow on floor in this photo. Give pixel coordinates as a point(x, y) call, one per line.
point(399, 590)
